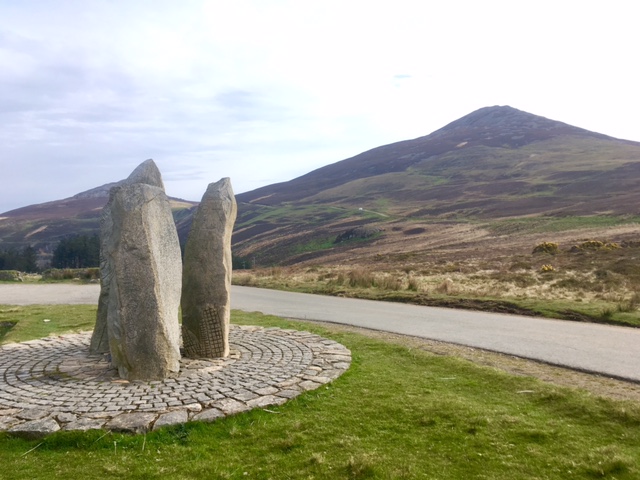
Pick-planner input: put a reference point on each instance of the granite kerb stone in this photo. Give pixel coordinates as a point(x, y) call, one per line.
point(74, 391)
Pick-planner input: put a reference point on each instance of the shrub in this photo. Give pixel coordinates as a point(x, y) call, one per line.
point(361, 278)
point(519, 265)
point(388, 283)
point(91, 274)
point(71, 273)
point(631, 305)
point(10, 276)
point(575, 283)
point(447, 287)
point(521, 280)
point(550, 248)
point(58, 274)
point(413, 284)
point(244, 279)
point(594, 245)
point(606, 313)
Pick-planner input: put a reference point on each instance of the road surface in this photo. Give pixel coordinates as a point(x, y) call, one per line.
point(608, 350)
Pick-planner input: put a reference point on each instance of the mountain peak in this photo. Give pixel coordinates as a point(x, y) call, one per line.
point(507, 127)
point(497, 114)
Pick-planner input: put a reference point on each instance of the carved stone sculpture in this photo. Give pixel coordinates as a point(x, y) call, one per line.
point(147, 172)
point(140, 272)
point(206, 280)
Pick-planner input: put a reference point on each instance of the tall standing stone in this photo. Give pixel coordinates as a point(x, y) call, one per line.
point(140, 274)
point(206, 279)
point(147, 172)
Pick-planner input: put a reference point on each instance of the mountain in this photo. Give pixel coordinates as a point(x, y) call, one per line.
point(495, 163)
point(489, 127)
point(43, 225)
point(478, 174)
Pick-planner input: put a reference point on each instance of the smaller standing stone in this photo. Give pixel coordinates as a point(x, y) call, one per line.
point(206, 277)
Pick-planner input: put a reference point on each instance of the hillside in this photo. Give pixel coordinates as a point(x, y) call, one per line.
point(490, 127)
point(495, 180)
point(487, 168)
point(43, 225)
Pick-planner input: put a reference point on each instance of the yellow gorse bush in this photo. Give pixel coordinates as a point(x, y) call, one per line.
point(546, 247)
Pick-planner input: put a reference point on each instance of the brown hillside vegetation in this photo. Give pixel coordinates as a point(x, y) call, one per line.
point(450, 218)
point(494, 172)
point(458, 214)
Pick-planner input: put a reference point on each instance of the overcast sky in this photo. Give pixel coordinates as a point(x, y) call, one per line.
point(263, 91)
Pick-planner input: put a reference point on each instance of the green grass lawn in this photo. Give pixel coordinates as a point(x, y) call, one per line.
point(398, 413)
point(37, 321)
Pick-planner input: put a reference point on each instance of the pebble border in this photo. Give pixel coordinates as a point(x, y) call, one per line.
point(53, 384)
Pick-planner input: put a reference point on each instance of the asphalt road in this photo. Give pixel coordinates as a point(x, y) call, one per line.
point(608, 350)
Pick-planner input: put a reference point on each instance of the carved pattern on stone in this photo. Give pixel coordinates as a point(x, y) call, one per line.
point(211, 334)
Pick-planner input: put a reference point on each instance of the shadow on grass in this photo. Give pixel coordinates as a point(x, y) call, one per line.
point(5, 327)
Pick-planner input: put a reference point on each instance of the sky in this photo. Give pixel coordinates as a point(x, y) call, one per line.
point(263, 91)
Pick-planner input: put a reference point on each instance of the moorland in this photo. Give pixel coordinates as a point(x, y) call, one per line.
point(499, 210)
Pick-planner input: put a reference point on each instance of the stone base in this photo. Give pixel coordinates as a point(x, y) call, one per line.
point(52, 384)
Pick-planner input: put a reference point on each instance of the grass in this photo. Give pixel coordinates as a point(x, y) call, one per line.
point(37, 321)
point(288, 213)
point(548, 224)
point(531, 293)
point(314, 245)
point(398, 413)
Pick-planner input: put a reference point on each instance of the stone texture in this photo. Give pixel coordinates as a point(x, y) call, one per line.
point(66, 417)
point(266, 401)
point(147, 172)
point(206, 280)
point(137, 422)
point(171, 418)
point(36, 428)
point(208, 415)
point(84, 424)
point(231, 406)
point(33, 414)
point(7, 422)
point(144, 267)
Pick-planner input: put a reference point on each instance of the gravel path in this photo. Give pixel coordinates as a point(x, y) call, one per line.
point(48, 294)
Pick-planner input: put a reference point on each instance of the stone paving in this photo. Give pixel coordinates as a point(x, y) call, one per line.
point(52, 383)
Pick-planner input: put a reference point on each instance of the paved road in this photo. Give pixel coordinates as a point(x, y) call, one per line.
point(613, 351)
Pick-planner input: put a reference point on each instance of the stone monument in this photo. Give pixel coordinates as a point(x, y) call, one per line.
point(206, 278)
point(147, 172)
point(140, 272)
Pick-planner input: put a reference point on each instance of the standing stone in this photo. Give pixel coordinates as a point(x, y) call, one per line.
point(147, 172)
point(140, 295)
point(206, 280)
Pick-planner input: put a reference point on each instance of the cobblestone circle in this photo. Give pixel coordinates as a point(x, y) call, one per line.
point(52, 383)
